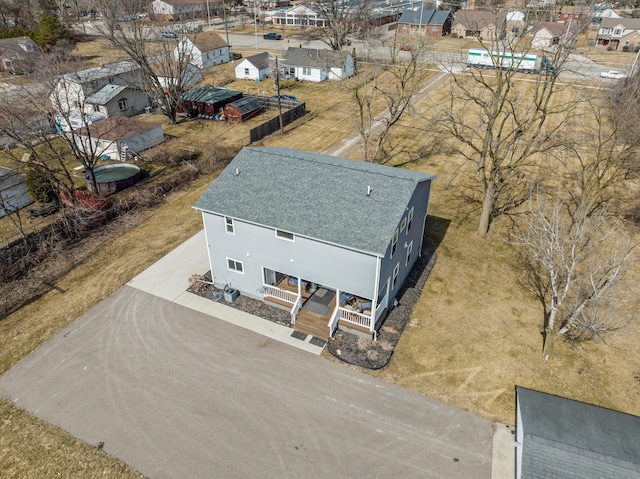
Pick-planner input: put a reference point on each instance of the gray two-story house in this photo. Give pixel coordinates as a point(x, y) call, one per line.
point(330, 239)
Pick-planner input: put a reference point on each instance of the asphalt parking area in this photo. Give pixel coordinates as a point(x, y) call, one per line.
point(176, 393)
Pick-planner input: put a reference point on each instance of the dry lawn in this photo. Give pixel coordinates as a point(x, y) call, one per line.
point(473, 335)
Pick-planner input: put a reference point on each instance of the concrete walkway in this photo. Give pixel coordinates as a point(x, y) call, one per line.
point(168, 279)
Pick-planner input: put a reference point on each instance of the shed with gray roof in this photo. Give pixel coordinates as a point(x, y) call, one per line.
point(563, 438)
point(352, 227)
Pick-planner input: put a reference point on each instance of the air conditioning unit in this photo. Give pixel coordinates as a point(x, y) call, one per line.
point(230, 294)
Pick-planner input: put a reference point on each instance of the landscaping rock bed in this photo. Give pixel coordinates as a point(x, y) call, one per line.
point(347, 347)
point(371, 354)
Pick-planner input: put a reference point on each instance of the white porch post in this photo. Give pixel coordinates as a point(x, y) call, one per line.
point(374, 300)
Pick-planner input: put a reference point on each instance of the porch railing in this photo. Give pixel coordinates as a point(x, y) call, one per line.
point(352, 317)
point(281, 294)
point(297, 306)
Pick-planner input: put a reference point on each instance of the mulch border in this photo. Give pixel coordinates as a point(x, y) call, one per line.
point(347, 347)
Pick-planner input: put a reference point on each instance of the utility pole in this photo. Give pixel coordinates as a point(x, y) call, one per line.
point(276, 81)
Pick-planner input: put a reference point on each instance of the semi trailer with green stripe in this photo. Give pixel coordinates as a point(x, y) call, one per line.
point(507, 60)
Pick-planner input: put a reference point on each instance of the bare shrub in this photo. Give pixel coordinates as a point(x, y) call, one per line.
point(197, 283)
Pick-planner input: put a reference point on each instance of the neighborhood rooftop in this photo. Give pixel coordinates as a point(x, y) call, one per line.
point(572, 439)
point(97, 73)
point(105, 94)
point(310, 57)
point(117, 128)
point(209, 94)
point(318, 196)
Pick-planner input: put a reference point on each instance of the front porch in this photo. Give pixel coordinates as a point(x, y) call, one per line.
point(316, 310)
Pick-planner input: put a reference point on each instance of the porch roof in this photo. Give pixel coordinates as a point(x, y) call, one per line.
point(313, 195)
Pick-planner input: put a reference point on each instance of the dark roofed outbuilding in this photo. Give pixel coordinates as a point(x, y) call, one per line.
point(207, 100)
point(563, 438)
point(242, 109)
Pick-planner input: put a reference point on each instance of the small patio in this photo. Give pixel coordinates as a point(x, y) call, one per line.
point(313, 307)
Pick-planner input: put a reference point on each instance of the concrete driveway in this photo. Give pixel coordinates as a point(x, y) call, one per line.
point(176, 393)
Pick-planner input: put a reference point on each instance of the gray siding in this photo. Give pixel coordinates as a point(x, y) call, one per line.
point(419, 202)
point(257, 247)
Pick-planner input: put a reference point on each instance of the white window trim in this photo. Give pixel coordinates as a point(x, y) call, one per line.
point(409, 251)
point(236, 262)
point(403, 224)
point(394, 243)
point(227, 225)
point(292, 239)
point(409, 220)
point(394, 276)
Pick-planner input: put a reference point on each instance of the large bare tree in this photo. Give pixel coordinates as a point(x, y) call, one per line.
point(382, 95)
point(125, 26)
point(575, 261)
point(499, 120)
point(340, 20)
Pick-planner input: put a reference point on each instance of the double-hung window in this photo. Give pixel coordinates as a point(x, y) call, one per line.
point(394, 243)
point(409, 220)
point(409, 249)
point(394, 279)
point(229, 226)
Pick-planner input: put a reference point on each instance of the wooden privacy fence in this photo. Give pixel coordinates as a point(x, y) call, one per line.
point(295, 110)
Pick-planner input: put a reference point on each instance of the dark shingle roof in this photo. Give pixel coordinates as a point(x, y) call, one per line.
point(260, 61)
point(310, 57)
point(246, 104)
point(575, 440)
point(318, 196)
point(209, 94)
point(424, 16)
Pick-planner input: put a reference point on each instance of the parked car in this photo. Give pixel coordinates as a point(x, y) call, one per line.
point(408, 48)
point(616, 75)
point(272, 36)
point(168, 34)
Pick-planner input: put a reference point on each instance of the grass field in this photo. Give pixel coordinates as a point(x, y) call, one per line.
point(472, 337)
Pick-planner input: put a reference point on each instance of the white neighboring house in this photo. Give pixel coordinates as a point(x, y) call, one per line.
point(114, 89)
point(255, 67)
point(117, 136)
point(13, 191)
point(191, 76)
point(204, 49)
point(317, 65)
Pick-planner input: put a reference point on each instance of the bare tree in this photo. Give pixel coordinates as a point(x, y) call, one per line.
point(500, 124)
point(598, 152)
point(38, 117)
point(382, 95)
point(339, 20)
point(11, 200)
point(576, 263)
point(158, 58)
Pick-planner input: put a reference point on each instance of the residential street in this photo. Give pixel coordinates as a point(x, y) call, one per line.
point(179, 394)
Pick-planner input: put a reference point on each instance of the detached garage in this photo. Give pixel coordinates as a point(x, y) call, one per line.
point(114, 137)
point(242, 109)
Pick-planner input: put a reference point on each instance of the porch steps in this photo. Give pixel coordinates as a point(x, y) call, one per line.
point(313, 324)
